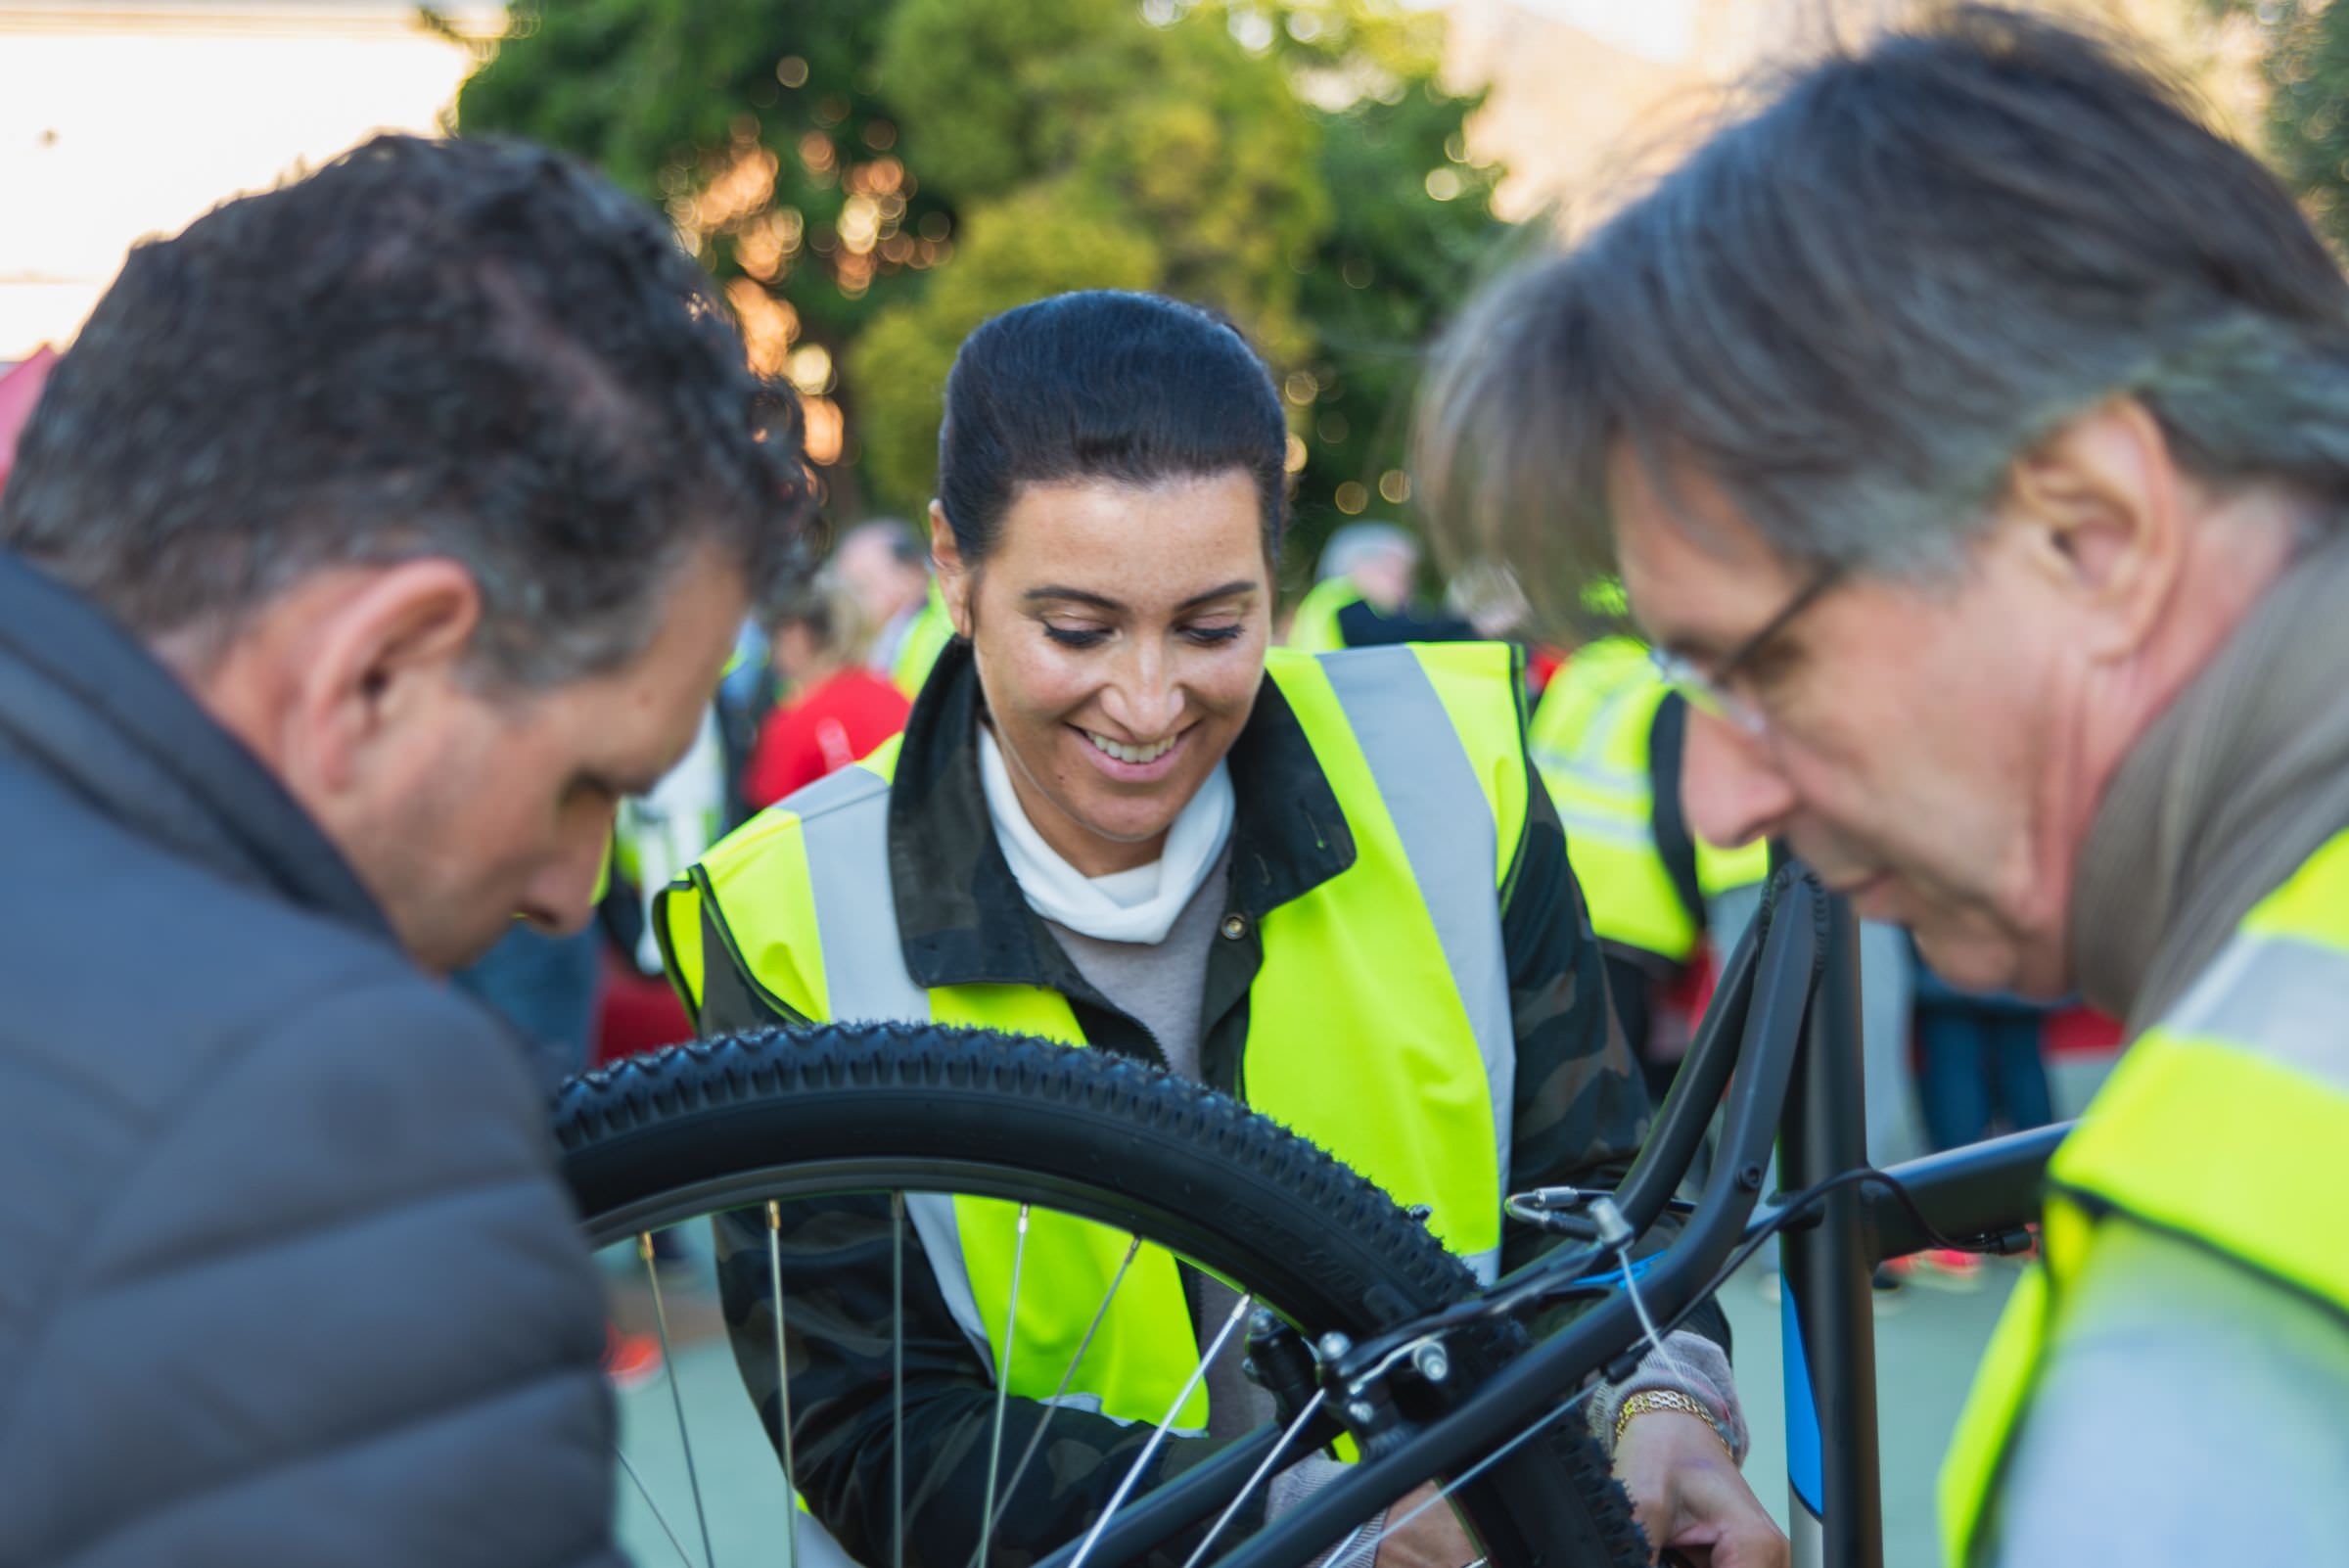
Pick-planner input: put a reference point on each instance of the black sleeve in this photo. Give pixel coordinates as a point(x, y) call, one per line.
point(1362, 626)
point(1581, 1108)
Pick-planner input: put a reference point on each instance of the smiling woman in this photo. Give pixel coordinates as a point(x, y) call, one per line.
point(1119, 636)
point(1327, 884)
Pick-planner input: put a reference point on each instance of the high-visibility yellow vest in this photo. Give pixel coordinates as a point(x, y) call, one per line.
point(1590, 740)
point(2207, 1131)
point(1313, 629)
point(1379, 1023)
point(925, 639)
point(1719, 870)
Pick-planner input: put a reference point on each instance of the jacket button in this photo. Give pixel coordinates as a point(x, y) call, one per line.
point(1234, 927)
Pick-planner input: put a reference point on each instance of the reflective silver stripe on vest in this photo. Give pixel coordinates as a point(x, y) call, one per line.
point(1580, 824)
point(1588, 765)
point(845, 825)
point(940, 1235)
point(1445, 822)
point(2280, 997)
point(844, 822)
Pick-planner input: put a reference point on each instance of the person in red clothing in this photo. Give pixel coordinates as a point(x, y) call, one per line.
point(834, 710)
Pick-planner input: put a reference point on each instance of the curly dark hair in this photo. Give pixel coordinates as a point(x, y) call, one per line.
point(480, 350)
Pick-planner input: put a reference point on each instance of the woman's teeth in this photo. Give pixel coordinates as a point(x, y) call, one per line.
point(1134, 754)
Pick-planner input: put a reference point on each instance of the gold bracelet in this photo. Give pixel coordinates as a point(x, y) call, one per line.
point(1668, 1398)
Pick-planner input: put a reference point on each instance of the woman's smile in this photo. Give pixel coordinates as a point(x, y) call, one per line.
point(1134, 765)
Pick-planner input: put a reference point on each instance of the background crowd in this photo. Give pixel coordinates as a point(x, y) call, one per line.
point(831, 673)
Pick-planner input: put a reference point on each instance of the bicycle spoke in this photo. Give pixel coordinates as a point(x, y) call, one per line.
point(791, 1469)
point(1117, 1499)
point(896, 1417)
point(995, 1450)
point(1444, 1493)
point(1313, 1408)
point(676, 1392)
point(1035, 1438)
point(646, 1492)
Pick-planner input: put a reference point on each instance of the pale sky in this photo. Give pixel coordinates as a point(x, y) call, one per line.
point(132, 117)
point(133, 120)
point(1662, 30)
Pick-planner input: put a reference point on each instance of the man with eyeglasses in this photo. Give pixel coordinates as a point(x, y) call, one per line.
point(1612, 738)
point(1971, 427)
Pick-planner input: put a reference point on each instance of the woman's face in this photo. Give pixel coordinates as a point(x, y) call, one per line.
point(1120, 632)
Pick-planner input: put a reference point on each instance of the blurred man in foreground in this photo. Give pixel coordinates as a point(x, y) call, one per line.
point(378, 536)
point(1972, 430)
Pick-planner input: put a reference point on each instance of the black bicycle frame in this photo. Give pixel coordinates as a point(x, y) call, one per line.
point(1788, 1018)
point(1531, 1390)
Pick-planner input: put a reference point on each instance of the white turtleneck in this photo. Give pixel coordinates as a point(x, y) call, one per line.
point(1134, 907)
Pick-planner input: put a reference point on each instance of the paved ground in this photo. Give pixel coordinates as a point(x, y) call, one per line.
point(744, 1499)
point(1927, 1343)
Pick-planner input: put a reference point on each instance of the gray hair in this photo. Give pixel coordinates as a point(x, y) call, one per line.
point(1357, 542)
point(905, 547)
point(1852, 309)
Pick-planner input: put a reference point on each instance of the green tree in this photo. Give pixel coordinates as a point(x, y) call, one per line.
point(1415, 228)
point(872, 178)
point(1411, 229)
point(2305, 62)
point(1042, 240)
point(1119, 155)
point(759, 129)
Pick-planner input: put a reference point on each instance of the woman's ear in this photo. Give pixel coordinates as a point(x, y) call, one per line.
point(955, 580)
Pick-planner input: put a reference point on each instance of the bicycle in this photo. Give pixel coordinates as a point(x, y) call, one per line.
point(1358, 1322)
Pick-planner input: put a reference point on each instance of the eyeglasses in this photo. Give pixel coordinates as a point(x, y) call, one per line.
point(1708, 691)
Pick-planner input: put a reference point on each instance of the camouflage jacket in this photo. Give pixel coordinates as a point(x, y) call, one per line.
point(1578, 1115)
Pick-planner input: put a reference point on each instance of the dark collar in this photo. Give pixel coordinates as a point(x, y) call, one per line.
point(84, 703)
point(960, 913)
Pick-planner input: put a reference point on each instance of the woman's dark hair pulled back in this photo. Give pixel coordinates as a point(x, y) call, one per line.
point(1104, 385)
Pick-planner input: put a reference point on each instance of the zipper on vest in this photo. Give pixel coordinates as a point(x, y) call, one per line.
point(1114, 1041)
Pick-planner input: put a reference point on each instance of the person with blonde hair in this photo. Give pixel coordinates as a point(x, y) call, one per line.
point(833, 709)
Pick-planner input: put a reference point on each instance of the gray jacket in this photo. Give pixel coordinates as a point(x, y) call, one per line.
point(286, 1276)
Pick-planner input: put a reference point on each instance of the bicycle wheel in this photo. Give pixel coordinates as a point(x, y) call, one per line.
point(788, 1117)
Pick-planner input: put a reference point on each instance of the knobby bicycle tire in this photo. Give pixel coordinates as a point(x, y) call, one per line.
point(652, 1139)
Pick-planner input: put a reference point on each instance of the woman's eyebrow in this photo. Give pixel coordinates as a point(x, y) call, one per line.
point(1102, 601)
point(1237, 586)
point(1098, 601)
